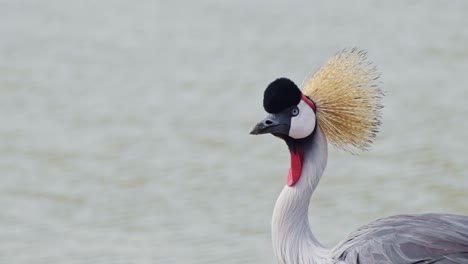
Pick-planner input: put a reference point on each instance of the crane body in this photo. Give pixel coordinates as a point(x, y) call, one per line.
point(346, 112)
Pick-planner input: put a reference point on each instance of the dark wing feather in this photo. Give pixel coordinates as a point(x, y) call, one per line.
point(408, 239)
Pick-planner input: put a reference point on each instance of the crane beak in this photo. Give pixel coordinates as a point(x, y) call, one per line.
point(278, 123)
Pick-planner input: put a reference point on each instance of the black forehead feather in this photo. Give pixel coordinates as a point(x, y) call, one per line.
point(281, 94)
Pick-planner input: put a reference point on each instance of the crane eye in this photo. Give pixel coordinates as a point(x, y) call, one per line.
point(295, 111)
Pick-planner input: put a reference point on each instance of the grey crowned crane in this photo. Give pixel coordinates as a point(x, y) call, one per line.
point(341, 104)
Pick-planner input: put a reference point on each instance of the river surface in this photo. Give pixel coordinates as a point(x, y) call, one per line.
point(124, 125)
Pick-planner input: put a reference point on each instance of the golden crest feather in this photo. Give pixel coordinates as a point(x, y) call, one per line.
point(348, 100)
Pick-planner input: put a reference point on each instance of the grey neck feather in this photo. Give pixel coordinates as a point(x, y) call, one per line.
point(293, 241)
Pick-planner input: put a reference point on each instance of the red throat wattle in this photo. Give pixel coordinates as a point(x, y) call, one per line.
point(296, 167)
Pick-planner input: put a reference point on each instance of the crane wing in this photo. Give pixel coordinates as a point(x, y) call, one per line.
point(405, 239)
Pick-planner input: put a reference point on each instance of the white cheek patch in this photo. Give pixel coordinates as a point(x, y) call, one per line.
point(303, 124)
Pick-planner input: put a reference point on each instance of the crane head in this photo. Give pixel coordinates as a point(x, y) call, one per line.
point(291, 113)
point(346, 103)
point(346, 107)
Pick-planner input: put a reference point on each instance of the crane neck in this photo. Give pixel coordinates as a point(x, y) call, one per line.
point(293, 240)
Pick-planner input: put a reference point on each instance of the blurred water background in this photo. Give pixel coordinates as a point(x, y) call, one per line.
point(124, 125)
